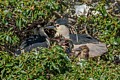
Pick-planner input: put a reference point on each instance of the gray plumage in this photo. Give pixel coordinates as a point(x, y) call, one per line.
point(82, 39)
point(96, 48)
point(34, 42)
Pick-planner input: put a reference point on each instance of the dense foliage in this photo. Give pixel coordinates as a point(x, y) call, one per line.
point(54, 64)
point(36, 65)
point(16, 18)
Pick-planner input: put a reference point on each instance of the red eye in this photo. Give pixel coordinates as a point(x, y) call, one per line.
point(57, 25)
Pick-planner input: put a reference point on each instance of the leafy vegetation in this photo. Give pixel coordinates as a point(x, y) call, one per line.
point(53, 63)
point(36, 65)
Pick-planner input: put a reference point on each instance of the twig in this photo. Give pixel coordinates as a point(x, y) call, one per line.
point(57, 14)
point(7, 49)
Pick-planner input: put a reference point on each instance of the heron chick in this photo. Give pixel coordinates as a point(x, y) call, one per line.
point(34, 41)
point(82, 52)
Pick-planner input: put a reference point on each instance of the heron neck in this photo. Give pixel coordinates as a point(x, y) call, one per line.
point(42, 32)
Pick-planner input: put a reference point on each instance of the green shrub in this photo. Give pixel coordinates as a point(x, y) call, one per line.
point(54, 64)
point(43, 64)
point(91, 70)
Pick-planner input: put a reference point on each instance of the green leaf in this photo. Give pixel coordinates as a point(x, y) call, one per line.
point(9, 15)
point(23, 72)
point(9, 65)
point(19, 23)
point(55, 67)
point(2, 73)
point(7, 38)
point(1, 65)
point(5, 12)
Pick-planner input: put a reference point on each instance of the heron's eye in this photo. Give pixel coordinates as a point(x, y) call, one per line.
point(57, 25)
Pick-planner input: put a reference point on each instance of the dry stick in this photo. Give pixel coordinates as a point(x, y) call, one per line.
point(57, 14)
point(7, 49)
point(72, 29)
point(85, 28)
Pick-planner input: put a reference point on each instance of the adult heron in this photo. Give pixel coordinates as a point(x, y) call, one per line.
point(93, 47)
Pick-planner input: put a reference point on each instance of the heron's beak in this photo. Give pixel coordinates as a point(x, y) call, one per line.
point(51, 27)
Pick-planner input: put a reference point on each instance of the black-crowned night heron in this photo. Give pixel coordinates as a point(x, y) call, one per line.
point(63, 29)
point(35, 41)
point(93, 46)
